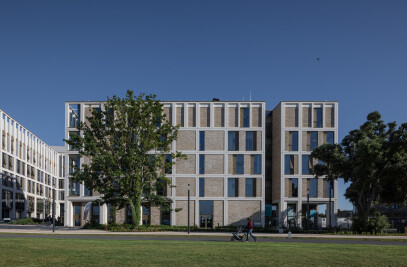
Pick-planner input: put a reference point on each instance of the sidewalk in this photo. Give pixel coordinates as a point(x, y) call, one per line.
point(43, 229)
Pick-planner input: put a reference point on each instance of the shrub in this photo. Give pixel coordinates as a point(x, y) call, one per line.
point(24, 221)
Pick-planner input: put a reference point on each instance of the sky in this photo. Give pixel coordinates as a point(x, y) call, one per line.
point(57, 51)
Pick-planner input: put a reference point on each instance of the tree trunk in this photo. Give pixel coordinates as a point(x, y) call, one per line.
point(135, 206)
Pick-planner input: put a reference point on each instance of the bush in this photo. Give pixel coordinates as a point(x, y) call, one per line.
point(376, 224)
point(24, 221)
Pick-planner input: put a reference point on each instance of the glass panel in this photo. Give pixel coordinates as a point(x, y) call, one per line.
point(201, 140)
point(249, 141)
point(319, 117)
point(314, 140)
point(239, 164)
point(330, 137)
point(201, 164)
point(74, 115)
point(233, 141)
point(294, 141)
point(246, 113)
point(257, 164)
point(250, 184)
point(313, 187)
point(306, 164)
point(294, 188)
point(206, 207)
point(287, 167)
point(231, 187)
point(168, 160)
point(201, 187)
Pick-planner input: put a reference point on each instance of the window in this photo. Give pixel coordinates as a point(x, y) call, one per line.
point(71, 135)
point(201, 187)
point(201, 164)
point(318, 117)
point(251, 138)
point(244, 117)
point(74, 188)
point(73, 163)
point(168, 162)
point(329, 189)
point(293, 141)
point(256, 164)
point(250, 187)
point(87, 191)
point(238, 164)
point(294, 187)
point(329, 137)
point(306, 164)
point(233, 141)
point(233, 187)
point(313, 187)
point(289, 164)
point(313, 140)
point(74, 115)
point(202, 140)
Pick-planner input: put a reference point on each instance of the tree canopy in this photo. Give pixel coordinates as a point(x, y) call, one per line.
point(126, 147)
point(374, 159)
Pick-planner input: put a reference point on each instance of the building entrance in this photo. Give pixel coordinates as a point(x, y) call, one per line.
point(206, 214)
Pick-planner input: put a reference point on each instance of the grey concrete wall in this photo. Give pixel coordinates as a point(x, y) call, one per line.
point(182, 216)
point(186, 140)
point(214, 187)
point(214, 140)
point(217, 213)
point(181, 186)
point(329, 117)
point(306, 117)
point(180, 116)
point(256, 116)
point(214, 164)
point(186, 166)
point(219, 116)
point(239, 211)
point(291, 117)
point(233, 117)
point(204, 117)
point(191, 117)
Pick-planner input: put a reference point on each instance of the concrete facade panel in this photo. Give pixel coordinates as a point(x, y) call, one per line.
point(214, 164)
point(219, 116)
point(186, 166)
point(239, 211)
point(214, 140)
point(181, 186)
point(233, 117)
point(191, 117)
point(182, 215)
point(204, 117)
point(214, 187)
point(186, 140)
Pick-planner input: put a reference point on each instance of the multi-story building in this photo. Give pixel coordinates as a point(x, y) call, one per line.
point(28, 171)
point(225, 167)
point(296, 129)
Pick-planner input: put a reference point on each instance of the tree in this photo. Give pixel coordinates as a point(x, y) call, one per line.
point(333, 159)
point(127, 147)
point(374, 159)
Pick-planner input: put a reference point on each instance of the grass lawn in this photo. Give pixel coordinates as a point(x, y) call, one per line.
point(74, 252)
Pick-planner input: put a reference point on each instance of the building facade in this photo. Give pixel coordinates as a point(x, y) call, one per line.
point(225, 167)
point(29, 169)
point(296, 129)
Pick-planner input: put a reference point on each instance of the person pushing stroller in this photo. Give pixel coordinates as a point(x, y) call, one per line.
point(250, 230)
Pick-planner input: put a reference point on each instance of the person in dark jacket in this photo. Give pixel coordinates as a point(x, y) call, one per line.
point(250, 230)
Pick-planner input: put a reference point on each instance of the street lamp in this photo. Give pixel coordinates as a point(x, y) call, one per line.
point(53, 208)
point(43, 205)
point(308, 215)
point(188, 206)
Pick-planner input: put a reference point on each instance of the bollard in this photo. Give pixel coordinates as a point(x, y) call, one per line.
point(289, 234)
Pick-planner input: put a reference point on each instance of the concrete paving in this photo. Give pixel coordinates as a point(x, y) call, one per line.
point(42, 231)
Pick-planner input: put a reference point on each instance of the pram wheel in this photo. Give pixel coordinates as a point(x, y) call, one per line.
point(232, 239)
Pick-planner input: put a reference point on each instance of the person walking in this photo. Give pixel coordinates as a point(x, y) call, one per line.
point(250, 230)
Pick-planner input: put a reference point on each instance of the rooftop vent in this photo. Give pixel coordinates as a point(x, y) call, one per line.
point(215, 99)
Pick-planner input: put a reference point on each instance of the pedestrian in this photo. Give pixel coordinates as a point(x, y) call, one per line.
point(250, 230)
point(49, 222)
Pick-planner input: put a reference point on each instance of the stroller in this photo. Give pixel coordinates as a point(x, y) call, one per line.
point(238, 235)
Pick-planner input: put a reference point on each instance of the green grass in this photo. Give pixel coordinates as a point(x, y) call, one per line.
point(73, 252)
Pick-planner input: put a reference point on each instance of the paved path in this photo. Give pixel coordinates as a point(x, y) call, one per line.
point(41, 231)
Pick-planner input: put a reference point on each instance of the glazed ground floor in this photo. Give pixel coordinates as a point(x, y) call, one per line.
point(203, 212)
point(300, 213)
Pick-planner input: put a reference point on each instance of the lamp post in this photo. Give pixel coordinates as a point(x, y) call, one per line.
point(308, 215)
point(53, 208)
point(188, 207)
point(43, 205)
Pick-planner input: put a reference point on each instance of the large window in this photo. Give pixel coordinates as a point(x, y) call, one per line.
point(238, 164)
point(168, 161)
point(250, 187)
point(233, 187)
point(201, 187)
point(329, 137)
point(251, 138)
point(245, 117)
point(256, 163)
point(289, 164)
point(71, 134)
point(313, 187)
point(233, 141)
point(292, 141)
point(201, 164)
point(294, 187)
point(313, 140)
point(318, 117)
point(202, 140)
point(306, 164)
point(74, 115)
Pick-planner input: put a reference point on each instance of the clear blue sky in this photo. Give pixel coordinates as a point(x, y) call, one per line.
point(54, 51)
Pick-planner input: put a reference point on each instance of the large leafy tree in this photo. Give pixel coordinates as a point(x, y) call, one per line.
point(375, 163)
point(127, 145)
